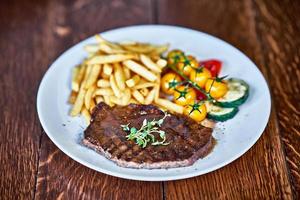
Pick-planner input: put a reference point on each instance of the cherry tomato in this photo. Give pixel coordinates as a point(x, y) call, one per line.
point(169, 82)
point(186, 64)
point(196, 111)
point(174, 56)
point(214, 66)
point(216, 88)
point(200, 76)
point(184, 95)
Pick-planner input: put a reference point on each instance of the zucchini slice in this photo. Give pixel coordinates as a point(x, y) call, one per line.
point(221, 114)
point(238, 92)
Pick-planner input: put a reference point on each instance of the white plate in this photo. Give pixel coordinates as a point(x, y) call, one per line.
point(234, 137)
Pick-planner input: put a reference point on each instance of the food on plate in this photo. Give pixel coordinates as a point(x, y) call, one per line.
point(133, 72)
point(127, 136)
point(169, 81)
point(216, 87)
point(145, 110)
point(184, 95)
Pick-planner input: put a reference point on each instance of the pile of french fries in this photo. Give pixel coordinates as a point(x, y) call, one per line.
point(119, 74)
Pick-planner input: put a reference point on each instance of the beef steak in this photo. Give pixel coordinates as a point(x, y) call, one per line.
point(188, 141)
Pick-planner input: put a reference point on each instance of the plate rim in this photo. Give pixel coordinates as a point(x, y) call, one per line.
point(150, 178)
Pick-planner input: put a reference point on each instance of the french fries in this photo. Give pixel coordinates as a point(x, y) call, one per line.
point(93, 75)
point(169, 105)
point(140, 70)
point(88, 97)
point(104, 92)
point(161, 63)
point(103, 83)
point(119, 74)
point(138, 96)
point(149, 63)
point(114, 87)
point(107, 69)
point(112, 58)
point(133, 81)
point(150, 97)
point(78, 102)
point(77, 76)
point(86, 114)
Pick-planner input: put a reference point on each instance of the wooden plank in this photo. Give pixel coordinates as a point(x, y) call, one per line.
point(261, 173)
point(59, 176)
point(279, 28)
point(21, 63)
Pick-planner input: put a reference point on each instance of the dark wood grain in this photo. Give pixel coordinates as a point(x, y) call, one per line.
point(279, 31)
point(33, 33)
point(59, 176)
point(22, 61)
point(261, 173)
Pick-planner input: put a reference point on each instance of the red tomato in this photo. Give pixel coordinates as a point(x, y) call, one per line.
point(214, 66)
point(200, 95)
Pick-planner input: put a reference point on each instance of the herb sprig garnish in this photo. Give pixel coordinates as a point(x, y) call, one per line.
point(144, 135)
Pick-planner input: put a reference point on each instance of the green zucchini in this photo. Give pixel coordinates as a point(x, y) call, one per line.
point(237, 94)
point(221, 114)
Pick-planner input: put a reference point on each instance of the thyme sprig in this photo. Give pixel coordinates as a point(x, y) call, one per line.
point(145, 134)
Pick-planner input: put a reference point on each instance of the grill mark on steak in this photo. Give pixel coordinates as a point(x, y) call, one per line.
point(188, 141)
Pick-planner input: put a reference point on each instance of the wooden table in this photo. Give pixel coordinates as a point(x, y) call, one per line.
point(33, 33)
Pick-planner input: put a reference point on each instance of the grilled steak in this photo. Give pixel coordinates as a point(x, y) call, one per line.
point(188, 141)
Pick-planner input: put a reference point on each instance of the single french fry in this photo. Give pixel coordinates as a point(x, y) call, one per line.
point(102, 83)
point(169, 105)
point(114, 87)
point(132, 101)
point(72, 97)
point(127, 42)
point(75, 71)
point(150, 97)
point(104, 92)
point(161, 63)
point(92, 78)
point(78, 102)
point(115, 100)
point(107, 69)
point(108, 101)
point(139, 47)
point(86, 114)
point(144, 85)
point(119, 76)
point(149, 63)
point(76, 81)
point(133, 81)
point(101, 40)
point(138, 96)
point(106, 48)
point(112, 58)
point(127, 73)
point(160, 49)
point(126, 97)
point(140, 70)
point(92, 48)
point(104, 76)
point(88, 96)
point(144, 91)
point(99, 99)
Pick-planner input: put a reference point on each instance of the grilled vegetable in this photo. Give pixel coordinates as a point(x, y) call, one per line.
point(219, 113)
point(237, 94)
